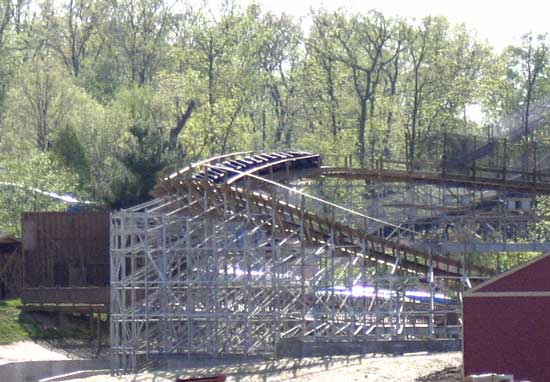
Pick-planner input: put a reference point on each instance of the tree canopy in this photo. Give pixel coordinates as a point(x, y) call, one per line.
point(97, 96)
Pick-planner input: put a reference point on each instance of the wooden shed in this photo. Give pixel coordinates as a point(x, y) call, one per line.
point(11, 274)
point(507, 323)
point(66, 249)
point(66, 261)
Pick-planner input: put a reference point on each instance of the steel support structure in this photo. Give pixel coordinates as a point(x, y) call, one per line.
point(197, 274)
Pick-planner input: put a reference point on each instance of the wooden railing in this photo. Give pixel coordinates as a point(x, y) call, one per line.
point(512, 177)
point(67, 298)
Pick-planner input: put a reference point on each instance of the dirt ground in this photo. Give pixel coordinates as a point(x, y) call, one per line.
point(28, 351)
point(408, 368)
point(443, 367)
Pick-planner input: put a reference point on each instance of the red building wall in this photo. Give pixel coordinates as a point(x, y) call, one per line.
point(509, 335)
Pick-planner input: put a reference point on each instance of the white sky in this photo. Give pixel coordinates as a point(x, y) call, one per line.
point(500, 22)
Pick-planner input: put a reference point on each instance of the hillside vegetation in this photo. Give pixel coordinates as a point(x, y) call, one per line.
point(17, 325)
point(97, 97)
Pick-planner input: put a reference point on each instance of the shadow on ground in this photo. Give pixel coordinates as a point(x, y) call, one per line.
point(66, 334)
point(257, 369)
point(355, 367)
point(449, 374)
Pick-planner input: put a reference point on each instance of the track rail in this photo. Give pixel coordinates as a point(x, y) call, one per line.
point(315, 229)
point(481, 178)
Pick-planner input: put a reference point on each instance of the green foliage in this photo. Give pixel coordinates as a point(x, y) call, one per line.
point(68, 151)
point(525, 80)
point(142, 149)
point(12, 329)
point(92, 92)
point(39, 104)
point(16, 325)
point(143, 159)
point(24, 184)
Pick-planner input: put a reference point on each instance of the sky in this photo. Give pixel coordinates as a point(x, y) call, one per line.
point(501, 23)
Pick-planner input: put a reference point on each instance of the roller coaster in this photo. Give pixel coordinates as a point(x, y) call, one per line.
point(240, 252)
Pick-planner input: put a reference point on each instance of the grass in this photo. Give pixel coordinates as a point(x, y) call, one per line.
point(11, 329)
point(17, 325)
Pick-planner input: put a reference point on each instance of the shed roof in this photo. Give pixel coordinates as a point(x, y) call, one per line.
point(8, 239)
point(531, 277)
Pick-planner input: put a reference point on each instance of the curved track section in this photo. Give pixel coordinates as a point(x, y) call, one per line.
point(219, 178)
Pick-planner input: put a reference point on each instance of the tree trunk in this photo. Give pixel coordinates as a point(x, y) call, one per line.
point(181, 122)
point(279, 110)
point(5, 21)
point(361, 131)
point(414, 122)
point(211, 97)
point(332, 97)
point(527, 111)
point(264, 135)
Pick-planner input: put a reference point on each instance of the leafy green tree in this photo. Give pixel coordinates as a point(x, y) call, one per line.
point(25, 186)
point(39, 103)
point(151, 123)
point(444, 76)
point(70, 152)
point(5, 20)
point(528, 78)
point(210, 54)
point(142, 158)
point(6, 13)
point(365, 44)
point(276, 48)
point(71, 28)
point(139, 30)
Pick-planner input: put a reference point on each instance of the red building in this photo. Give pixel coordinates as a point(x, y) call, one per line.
point(507, 323)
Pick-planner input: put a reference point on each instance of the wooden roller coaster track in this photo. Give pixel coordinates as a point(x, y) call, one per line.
point(350, 241)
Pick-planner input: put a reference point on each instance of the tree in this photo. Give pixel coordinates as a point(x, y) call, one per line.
point(217, 57)
point(143, 158)
point(71, 30)
point(140, 30)
point(277, 40)
point(26, 181)
point(39, 103)
point(444, 76)
point(5, 19)
point(181, 121)
point(392, 77)
point(366, 45)
point(528, 75)
point(70, 153)
point(150, 121)
point(318, 45)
